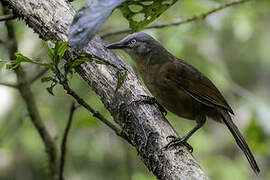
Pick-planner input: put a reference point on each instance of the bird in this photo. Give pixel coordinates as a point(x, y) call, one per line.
point(181, 88)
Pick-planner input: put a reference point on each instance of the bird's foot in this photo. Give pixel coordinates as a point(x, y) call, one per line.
point(176, 141)
point(151, 100)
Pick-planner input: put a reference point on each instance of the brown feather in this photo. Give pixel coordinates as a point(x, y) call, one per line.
point(196, 84)
point(240, 140)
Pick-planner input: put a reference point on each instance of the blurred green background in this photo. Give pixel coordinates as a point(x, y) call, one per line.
point(231, 47)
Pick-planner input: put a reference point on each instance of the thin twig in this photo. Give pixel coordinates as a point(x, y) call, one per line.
point(179, 21)
point(63, 81)
point(8, 85)
point(7, 17)
point(38, 75)
point(31, 79)
point(73, 107)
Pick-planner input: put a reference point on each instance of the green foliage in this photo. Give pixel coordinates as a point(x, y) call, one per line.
point(93, 14)
point(56, 50)
point(47, 79)
point(141, 13)
point(21, 58)
point(50, 89)
point(256, 137)
point(50, 49)
point(121, 73)
point(80, 60)
point(53, 81)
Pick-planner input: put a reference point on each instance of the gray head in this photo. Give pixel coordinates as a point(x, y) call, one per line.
point(136, 44)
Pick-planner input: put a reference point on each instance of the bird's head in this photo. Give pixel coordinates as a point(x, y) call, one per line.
point(137, 45)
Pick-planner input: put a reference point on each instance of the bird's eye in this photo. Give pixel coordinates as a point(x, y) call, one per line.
point(133, 41)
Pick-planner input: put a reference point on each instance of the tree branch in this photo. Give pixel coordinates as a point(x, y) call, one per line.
point(38, 75)
point(7, 17)
point(63, 81)
point(29, 99)
point(73, 107)
point(8, 85)
point(31, 79)
point(179, 21)
point(144, 126)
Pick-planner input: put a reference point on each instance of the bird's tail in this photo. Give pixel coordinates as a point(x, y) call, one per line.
point(240, 140)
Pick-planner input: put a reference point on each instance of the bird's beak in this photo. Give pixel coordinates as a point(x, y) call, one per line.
point(116, 45)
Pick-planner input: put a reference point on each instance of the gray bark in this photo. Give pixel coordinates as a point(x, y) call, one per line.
point(144, 125)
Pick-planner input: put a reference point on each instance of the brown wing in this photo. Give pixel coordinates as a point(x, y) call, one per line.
point(195, 84)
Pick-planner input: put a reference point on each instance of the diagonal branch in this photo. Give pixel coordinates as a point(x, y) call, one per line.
point(179, 21)
point(31, 79)
point(63, 81)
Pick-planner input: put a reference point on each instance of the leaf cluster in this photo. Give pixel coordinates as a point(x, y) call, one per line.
point(141, 13)
point(56, 51)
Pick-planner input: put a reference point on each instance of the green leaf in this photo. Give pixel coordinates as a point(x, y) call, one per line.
point(93, 14)
point(78, 62)
point(60, 48)
point(13, 64)
point(56, 50)
point(256, 137)
point(22, 58)
point(50, 89)
point(9, 66)
point(53, 84)
point(70, 75)
point(70, 63)
point(81, 60)
point(47, 79)
point(121, 77)
point(50, 45)
point(19, 59)
point(49, 66)
point(141, 13)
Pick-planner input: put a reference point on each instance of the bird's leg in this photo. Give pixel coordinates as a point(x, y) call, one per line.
point(188, 146)
point(151, 100)
point(183, 140)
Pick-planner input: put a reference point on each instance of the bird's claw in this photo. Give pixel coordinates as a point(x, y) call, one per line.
point(170, 137)
point(176, 142)
point(189, 147)
point(151, 100)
